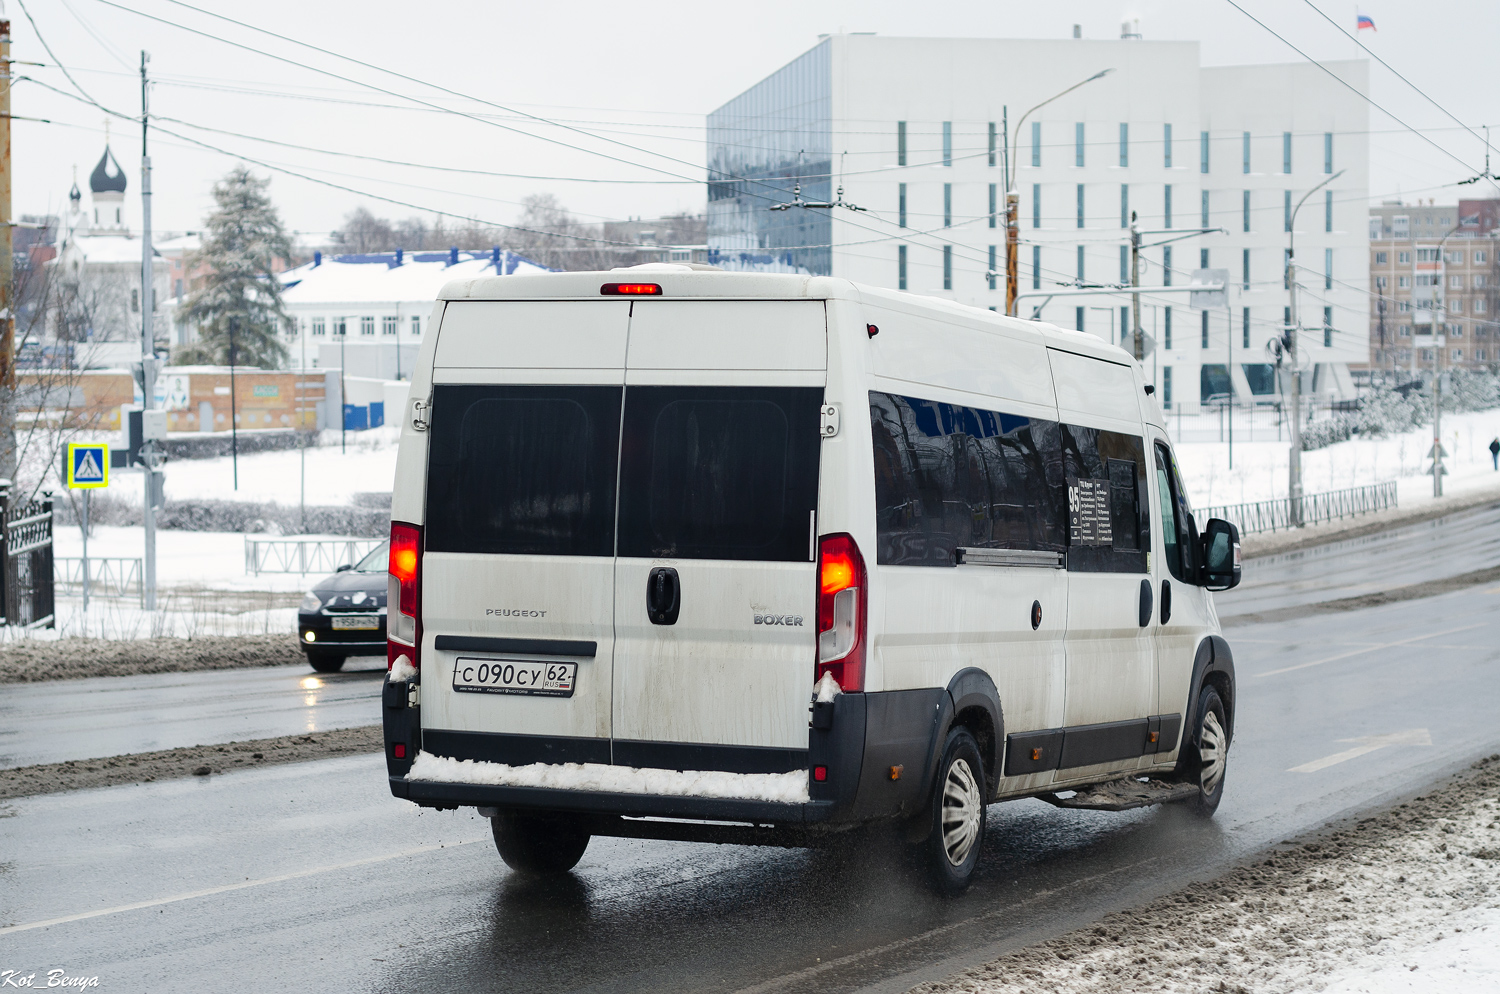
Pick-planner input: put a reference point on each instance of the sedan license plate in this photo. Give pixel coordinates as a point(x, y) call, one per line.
point(510, 676)
point(357, 623)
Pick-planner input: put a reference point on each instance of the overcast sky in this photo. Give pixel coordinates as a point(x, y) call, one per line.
point(641, 73)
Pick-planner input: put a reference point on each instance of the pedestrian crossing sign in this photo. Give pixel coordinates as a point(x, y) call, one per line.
point(88, 465)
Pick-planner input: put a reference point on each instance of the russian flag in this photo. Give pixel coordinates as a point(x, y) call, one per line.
point(1364, 21)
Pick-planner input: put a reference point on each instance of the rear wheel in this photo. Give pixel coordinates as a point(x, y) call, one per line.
point(1206, 754)
point(957, 835)
point(326, 662)
point(539, 843)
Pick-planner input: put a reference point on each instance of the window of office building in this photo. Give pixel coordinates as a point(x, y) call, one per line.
point(947, 267)
point(992, 204)
point(318, 327)
point(1080, 263)
point(367, 325)
point(1166, 328)
point(1036, 205)
point(900, 267)
point(1245, 263)
point(1166, 266)
point(1078, 144)
point(1286, 151)
point(1203, 210)
point(388, 324)
point(1245, 328)
point(1166, 143)
point(947, 143)
point(1080, 205)
point(1245, 144)
point(1124, 205)
point(1403, 258)
point(1328, 151)
point(1203, 152)
point(1166, 201)
point(947, 205)
point(901, 205)
point(1286, 210)
point(1124, 144)
point(416, 326)
point(1245, 210)
point(992, 143)
point(900, 143)
point(991, 270)
point(1124, 263)
point(1203, 258)
point(1204, 339)
point(1036, 143)
point(1328, 269)
point(1078, 319)
point(1036, 267)
point(1328, 327)
point(1380, 258)
point(1327, 210)
point(340, 327)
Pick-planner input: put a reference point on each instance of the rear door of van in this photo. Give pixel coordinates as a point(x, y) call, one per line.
point(518, 568)
point(714, 592)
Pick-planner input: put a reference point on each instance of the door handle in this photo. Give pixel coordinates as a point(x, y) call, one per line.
point(663, 596)
point(1166, 601)
point(1145, 616)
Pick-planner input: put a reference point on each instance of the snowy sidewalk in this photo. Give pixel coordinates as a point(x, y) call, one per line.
point(1408, 900)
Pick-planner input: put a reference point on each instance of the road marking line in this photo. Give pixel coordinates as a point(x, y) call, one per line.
point(226, 888)
point(1372, 648)
point(1368, 744)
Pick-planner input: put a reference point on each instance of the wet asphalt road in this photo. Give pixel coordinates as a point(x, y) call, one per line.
point(110, 716)
point(310, 875)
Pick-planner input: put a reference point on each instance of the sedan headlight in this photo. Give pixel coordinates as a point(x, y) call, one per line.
point(310, 603)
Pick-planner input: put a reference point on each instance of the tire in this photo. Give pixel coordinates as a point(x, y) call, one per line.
point(539, 843)
point(325, 662)
point(951, 849)
point(1206, 754)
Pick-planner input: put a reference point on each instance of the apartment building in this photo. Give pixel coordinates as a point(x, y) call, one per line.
point(1434, 260)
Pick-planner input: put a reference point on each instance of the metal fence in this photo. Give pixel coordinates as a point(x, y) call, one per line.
point(26, 594)
point(109, 576)
point(1276, 515)
point(304, 555)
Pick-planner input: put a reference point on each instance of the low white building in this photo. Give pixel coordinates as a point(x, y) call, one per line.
point(383, 299)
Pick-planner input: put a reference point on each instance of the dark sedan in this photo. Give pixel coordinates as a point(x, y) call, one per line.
point(344, 614)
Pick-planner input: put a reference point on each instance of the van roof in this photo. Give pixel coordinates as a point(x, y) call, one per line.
point(679, 282)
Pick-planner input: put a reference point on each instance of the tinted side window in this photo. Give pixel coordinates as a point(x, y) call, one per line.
point(1109, 523)
point(949, 477)
point(523, 470)
point(719, 472)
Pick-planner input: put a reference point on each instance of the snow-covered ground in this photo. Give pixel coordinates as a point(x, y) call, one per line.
point(1260, 467)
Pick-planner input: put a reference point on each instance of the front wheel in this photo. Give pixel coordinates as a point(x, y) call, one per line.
point(326, 662)
point(1207, 753)
point(539, 843)
point(957, 835)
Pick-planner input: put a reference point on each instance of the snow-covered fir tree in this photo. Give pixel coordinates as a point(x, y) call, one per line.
point(239, 300)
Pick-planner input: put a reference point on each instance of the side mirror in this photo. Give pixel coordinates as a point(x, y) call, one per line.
point(344, 568)
point(1219, 564)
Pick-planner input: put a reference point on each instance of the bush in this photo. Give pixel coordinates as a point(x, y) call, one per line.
point(234, 516)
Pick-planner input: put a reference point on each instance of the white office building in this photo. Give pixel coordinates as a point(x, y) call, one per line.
point(912, 129)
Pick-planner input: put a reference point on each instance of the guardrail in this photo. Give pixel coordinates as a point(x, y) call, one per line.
point(304, 555)
point(108, 576)
point(1276, 515)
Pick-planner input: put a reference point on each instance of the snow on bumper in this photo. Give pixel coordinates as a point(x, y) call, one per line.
point(775, 788)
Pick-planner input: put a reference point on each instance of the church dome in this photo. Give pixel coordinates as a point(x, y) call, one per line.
point(74, 197)
point(107, 176)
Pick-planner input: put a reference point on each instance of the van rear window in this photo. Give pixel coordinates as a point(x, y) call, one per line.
point(719, 472)
point(523, 469)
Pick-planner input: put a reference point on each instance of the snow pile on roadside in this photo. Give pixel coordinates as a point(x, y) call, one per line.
point(781, 788)
point(1406, 901)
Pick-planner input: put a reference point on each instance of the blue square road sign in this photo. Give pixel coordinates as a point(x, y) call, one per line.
point(88, 465)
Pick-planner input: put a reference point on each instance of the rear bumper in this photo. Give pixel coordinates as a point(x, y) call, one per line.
point(611, 803)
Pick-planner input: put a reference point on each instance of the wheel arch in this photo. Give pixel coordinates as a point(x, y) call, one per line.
point(974, 703)
point(1213, 666)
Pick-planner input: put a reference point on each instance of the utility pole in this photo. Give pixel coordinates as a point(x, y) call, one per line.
point(1138, 337)
point(1439, 319)
point(1290, 344)
point(150, 457)
point(7, 270)
point(234, 409)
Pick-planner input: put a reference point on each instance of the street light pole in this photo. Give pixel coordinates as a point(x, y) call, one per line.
point(1012, 198)
point(1138, 337)
point(1439, 312)
point(1294, 462)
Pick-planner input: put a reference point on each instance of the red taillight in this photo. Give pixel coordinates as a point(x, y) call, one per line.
point(403, 593)
point(842, 612)
point(399, 750)
point(631, 289)
point(820, 773)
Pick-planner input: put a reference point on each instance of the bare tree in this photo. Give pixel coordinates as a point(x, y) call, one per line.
point(364, 232)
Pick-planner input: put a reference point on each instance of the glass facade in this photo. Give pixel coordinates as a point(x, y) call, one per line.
point(760, 145)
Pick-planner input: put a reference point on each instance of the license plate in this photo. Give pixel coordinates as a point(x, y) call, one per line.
point(358, 623)
point(509, 676)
